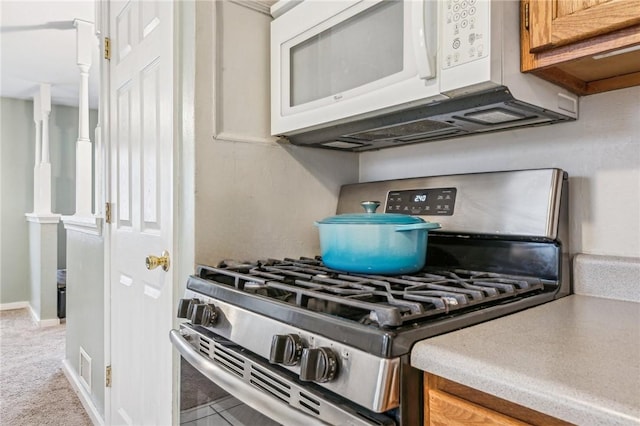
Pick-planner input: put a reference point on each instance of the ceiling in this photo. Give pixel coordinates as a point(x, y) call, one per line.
point(38, 45)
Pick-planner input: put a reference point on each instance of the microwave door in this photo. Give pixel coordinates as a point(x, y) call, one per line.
point(336, 60)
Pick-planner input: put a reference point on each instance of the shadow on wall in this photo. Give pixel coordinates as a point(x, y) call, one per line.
point(579, 194)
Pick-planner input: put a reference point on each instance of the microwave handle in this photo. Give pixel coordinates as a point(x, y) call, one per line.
point(424, 63)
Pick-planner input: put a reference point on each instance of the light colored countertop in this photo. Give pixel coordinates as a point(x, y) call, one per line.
point(576, 358)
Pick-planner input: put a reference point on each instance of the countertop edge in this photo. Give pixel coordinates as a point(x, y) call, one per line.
point(552, 398)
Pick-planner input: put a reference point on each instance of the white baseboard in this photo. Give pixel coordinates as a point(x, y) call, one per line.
point(13, 305)
point(42, 323)
point(82, 393)
point(34, 316)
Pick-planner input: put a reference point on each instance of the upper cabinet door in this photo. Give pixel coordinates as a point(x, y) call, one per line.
point(555, 23)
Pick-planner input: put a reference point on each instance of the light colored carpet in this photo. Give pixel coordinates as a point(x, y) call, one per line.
point(33, 388)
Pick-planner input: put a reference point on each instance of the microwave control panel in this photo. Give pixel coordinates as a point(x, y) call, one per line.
point(422, 202)
point(466, 33)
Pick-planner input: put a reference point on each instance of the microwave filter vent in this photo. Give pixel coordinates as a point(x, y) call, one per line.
point(421, 127)
point(494, 116)
point(433, 135)
point(343, 144)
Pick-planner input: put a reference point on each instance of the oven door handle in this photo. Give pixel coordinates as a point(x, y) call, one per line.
point(271, 407)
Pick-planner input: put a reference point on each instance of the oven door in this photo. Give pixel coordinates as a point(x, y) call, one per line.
point(222, 379)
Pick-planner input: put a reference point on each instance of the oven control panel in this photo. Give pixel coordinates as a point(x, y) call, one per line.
point(422, 202)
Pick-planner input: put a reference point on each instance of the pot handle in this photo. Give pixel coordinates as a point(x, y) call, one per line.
point(370, 206)
point(414, 226)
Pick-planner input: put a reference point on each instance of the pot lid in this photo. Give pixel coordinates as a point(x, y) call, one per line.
point(371, 217)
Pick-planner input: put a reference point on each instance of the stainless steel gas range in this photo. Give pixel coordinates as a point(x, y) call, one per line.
point(304, 344)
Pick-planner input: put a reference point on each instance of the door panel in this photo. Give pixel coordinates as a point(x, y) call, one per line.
point(556, 23)
point(141, 79)
point(150, 148)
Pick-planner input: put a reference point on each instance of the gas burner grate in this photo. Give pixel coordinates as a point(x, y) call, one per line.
point(378, 300)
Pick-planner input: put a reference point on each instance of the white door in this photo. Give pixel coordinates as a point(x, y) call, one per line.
point(141, 170)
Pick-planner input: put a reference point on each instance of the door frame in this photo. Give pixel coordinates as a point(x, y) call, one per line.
point(182, 252)
point(184, 156)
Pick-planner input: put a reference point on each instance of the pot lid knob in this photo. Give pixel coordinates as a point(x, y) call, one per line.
point(370, 206)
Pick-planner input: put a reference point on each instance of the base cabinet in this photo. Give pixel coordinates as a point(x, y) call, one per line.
point(450, 403)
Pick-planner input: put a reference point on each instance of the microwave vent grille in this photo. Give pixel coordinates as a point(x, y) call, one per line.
point(413, 129)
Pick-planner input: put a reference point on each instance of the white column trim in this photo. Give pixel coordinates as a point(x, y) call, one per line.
point(45, 105)
point(42, 166)
point(37, 120)
point(85, 43)
point(86, 224)
point(43, 218)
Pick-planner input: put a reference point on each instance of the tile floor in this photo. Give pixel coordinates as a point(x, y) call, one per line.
point(225, 411)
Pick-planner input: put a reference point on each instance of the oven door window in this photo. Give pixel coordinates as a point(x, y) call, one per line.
point(204, 402)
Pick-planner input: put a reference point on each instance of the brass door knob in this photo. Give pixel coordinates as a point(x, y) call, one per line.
point(153, 262)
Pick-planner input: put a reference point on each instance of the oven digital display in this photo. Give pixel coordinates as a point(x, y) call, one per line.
point(436, 202)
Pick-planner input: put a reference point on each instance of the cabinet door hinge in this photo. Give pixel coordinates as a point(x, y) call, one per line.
point(107, 48)
point(107, 376)
point(107, 212)
point(526, 15)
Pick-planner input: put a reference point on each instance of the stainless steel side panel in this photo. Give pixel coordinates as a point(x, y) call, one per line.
point(511, 203)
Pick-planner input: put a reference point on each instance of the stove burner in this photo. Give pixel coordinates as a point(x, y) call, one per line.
point(371, 299)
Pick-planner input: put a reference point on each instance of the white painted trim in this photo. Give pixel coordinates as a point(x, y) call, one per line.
point(254, 5)
point(42, 218)
point(42, 323)
point(281, 7)
point(237, 137)
point(85, 224)
point(84, 355)
point(184, 196)
point(49, 322)
point(216, 77)
point(83, 395)
point(13, 305)
point(104, 169)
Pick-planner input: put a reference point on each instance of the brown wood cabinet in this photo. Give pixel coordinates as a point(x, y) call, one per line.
point(450, 403)
point(586, 46)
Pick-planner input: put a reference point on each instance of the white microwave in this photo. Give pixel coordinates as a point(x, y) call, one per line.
point(336, 63)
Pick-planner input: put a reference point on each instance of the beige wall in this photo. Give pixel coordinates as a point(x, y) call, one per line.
point(600, 151)
point(254, 198)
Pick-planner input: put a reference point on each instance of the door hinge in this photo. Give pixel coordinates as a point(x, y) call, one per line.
point(107, 212)
point(107, 48)
point(107, 376)
point(526, 15)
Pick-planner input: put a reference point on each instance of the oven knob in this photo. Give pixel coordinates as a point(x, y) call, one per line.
point(183, 307)
point(285, 349)
point(204, 314)
point(318, 365)
point(190, 306)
